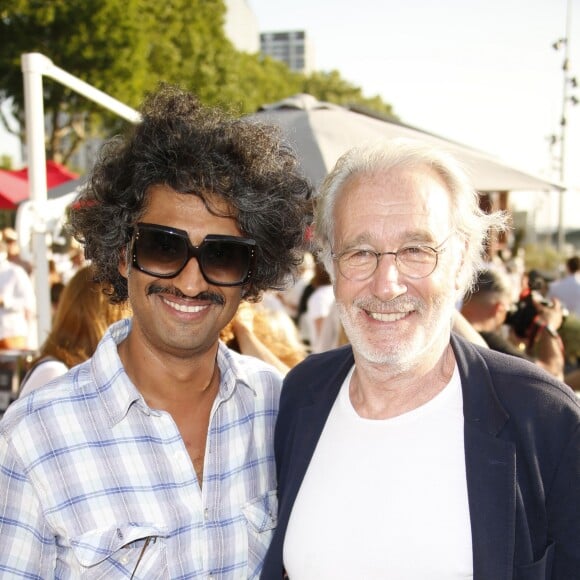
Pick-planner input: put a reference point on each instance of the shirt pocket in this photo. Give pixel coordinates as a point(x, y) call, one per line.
point(123, 548)
point(261, 515)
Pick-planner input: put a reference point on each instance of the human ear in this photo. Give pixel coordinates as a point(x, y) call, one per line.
point(124, 266)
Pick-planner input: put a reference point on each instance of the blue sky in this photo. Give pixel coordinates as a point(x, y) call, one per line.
point(481, 72)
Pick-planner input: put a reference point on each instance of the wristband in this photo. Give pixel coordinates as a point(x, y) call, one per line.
point(551, 331)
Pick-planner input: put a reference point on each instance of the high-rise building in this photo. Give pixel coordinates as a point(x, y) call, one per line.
point(292, 47)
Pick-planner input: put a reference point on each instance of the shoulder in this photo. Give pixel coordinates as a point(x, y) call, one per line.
point(517, 371)
point(523, 389)
point(48, 406)
point(43, 371)
point(498, 343)
point(322, 294)
point(318, 374)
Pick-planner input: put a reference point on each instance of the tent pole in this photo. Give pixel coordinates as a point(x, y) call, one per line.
point(32, 69)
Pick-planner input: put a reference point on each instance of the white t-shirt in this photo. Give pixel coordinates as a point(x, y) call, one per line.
point(18, 298)
point(318, 307)
point(41, 374)
point(385, 498)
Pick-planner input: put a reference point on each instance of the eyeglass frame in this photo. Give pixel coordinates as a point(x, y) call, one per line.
point(437, 250)
point(194, 252)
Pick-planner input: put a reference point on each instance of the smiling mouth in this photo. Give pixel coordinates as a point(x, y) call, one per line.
point(184, 307)
point(388, 316)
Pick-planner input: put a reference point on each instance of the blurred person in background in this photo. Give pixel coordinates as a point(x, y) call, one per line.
point(291, 296)
point(75, 261)
point(13, 248)
point(82, 316)
point(489, 304)
point(17, 303)
point(567, 289)
point(267, 334)
point(314, 306)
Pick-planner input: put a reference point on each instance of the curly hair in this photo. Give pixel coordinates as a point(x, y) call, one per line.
point(196, 150)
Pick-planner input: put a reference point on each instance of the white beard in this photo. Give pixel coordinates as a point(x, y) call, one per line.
point(400, 353)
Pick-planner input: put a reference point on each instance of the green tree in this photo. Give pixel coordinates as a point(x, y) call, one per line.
point(331, 87)
point(255, 81)
point(123, 47)
point(5, 162)
point(126, 47)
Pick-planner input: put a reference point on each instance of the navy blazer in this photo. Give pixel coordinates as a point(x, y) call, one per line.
point(522, 451)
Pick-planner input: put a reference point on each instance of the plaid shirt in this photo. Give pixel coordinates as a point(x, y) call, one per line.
point(95, 484)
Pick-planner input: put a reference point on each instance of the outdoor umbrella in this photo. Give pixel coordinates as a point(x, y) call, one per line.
point(13, 189)
point(320, 132)
point(14, 184)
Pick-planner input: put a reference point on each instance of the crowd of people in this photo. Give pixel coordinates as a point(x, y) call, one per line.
point(518, 314)
point(287, 325)
point(222, 397)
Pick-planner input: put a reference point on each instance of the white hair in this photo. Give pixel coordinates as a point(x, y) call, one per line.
point(471, 224)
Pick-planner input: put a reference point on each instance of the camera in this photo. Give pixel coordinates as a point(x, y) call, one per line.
point(523, 313)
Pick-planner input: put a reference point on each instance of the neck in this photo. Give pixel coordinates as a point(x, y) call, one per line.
point(166, 381)
point(377, 393)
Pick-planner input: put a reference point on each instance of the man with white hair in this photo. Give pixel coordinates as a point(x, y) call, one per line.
point(411, 453)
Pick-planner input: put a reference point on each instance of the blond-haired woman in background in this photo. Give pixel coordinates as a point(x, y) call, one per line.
point(80, 320)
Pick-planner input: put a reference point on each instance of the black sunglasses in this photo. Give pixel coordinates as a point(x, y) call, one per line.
point(163, 252)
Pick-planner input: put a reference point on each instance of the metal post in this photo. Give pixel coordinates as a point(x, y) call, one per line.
point(32, 69)
point(563, 123)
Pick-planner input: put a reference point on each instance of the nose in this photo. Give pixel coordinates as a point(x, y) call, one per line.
point(190, 280)
point(387, 282)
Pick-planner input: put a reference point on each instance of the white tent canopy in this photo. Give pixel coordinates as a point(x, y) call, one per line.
point(321, 132)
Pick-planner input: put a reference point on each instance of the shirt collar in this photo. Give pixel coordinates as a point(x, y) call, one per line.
point(231, 372)
point(118, 393)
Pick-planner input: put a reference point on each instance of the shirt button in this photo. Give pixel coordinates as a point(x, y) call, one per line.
point(205, 513)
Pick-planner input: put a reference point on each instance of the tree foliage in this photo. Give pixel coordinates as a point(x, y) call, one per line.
point(126, 47)
point(331, 87)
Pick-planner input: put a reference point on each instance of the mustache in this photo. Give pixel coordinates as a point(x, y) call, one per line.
point(212, 297)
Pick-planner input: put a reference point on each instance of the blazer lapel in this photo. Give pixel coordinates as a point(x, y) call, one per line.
point(309, 423)
point(491, 469)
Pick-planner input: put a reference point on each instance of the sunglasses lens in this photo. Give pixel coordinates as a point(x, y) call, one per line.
point(225, 262)
point(159, 252)
point(163, 252)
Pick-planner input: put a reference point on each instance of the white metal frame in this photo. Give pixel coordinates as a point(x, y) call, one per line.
point(35, 66)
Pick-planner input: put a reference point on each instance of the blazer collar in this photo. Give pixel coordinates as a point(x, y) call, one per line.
point(490, 461)
point(490, 464)
point(324, 381)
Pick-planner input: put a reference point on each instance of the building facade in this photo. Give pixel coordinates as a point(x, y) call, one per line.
point(291, 47)
point(241, 26)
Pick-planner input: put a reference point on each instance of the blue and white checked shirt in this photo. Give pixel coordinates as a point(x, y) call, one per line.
point(88, 472)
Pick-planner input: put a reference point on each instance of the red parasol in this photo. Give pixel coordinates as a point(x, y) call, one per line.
point(14, 184)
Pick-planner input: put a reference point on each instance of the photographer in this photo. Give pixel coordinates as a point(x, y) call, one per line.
point(534, 323)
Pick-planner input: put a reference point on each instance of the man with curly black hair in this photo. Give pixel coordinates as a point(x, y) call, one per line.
point(154, 458)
